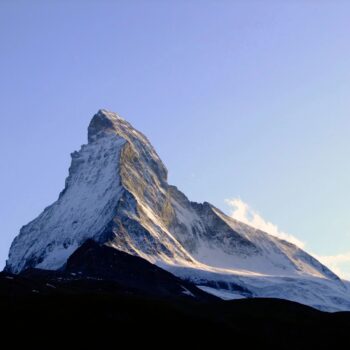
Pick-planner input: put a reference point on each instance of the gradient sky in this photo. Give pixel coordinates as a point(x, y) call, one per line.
point(241, 99)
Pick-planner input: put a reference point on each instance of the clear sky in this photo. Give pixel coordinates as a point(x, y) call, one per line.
point(242, 100)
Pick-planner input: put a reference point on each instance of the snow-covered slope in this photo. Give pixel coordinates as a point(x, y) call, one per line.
point(117, 193)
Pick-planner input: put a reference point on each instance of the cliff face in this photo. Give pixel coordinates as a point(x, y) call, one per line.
point(117, 194)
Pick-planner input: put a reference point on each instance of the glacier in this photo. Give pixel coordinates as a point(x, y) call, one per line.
point(117, 194)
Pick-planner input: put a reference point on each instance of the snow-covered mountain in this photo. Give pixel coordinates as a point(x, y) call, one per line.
point(117, 194)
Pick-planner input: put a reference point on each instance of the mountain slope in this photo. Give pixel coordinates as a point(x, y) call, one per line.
point(117, 194)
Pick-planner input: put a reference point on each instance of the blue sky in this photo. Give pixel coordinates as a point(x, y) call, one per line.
point(241, 99)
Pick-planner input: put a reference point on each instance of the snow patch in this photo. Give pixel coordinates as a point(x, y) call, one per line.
point(221, 293)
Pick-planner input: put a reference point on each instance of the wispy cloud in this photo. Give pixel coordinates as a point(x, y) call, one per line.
point(340, 263)
point(241, 211)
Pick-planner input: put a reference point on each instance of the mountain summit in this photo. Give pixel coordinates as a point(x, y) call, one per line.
point(117, 194)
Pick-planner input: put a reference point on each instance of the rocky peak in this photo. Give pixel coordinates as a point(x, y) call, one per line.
point(103, 122)
point(106, 123)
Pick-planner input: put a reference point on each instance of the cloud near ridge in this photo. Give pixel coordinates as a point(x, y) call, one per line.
point(339, 263)
point(241, 211)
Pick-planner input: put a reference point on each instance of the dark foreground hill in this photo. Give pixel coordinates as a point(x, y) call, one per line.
point(101, 318)
point(96, 304)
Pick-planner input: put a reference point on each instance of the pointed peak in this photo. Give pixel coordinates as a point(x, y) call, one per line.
point(103, 122)
point(109, 115)
point(109, 123)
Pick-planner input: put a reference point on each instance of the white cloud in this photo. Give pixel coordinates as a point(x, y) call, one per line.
point(339, 264)
point(241, 211)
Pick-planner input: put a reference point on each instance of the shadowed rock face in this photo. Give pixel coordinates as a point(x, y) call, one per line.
point(117, 194)
point(101, 262)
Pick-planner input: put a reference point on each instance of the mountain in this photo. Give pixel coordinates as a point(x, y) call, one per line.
point(117, 195)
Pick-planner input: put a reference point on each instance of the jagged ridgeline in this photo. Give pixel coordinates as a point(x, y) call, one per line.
point(117, 194)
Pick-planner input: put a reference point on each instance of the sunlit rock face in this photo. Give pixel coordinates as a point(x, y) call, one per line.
point(117, 194)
